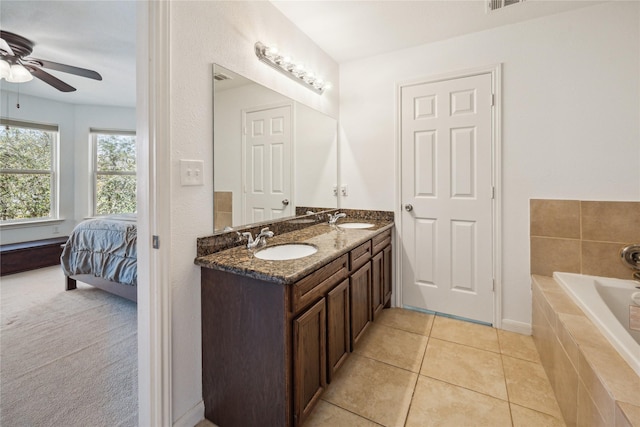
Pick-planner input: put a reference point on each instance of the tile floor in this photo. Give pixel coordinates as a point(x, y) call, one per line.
point(414, 369)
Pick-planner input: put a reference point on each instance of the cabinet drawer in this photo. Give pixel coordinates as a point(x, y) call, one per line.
point(380, 241)
point(318, 283)
point(359, 256)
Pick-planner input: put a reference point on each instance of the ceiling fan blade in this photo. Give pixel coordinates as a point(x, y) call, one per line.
point(83, 72)
point(51, 80)
point(5, 46)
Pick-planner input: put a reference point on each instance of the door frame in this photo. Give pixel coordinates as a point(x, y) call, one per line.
point(154, 157)
point(495, 70)
point(243, 161)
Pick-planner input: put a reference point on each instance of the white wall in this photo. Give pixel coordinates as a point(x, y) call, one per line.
point(74, 122)
point(203, 33)
point(571, 119)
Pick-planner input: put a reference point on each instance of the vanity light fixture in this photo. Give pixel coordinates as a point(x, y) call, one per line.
point(296, 71)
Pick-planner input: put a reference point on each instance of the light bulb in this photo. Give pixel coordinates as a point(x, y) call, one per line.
point(19, 74)
point(5, 69)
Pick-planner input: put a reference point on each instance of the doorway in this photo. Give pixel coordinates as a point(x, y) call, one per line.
point(448, 190)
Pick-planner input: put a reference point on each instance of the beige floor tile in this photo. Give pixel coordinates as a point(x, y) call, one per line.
point(467, 333)
point(464, 366)
point(325, 414)
point(407, 320)
point(393, 346)
point(518, 346)
point(525, 417)
point(529, 386)
point(373, 390)
point(436, 403)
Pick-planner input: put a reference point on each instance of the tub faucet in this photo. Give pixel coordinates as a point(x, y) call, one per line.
point(334, 218)
point(260, 239)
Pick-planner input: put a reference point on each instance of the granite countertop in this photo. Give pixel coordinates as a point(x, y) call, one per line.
point(331, 242)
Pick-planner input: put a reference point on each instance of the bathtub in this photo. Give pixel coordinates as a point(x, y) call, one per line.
point(606, 303)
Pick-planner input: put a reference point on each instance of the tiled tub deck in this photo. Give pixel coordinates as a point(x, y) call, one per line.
point(594, 386)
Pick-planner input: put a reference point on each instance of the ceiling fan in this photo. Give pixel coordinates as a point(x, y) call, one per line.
point(16, 66)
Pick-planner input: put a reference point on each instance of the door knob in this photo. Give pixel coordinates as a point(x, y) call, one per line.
point(408, 207)
point(285, 202)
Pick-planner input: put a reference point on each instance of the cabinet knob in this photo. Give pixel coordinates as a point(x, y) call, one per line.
point(408, 207)
point(285, 202)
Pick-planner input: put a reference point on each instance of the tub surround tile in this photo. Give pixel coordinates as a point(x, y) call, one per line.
point(407, 320)
point(603, 259)
point(565, 385)
point(528, 386)
point(605, 382)
point(518, 346)
point(610, 221)
point(326, 414)
point(375, 390)
point(555, 218)
point(597, 392)
point(525, 417)
point(393, 346)
point(627, 415)
point(614, 373)
point(468, 367)
point(436, 403)
point(587, 414)
point(605, 227)
point(549, 254)
point(458, 331)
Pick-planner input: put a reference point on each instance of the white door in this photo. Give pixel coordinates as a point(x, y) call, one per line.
point(267, 136)
point(446, 146)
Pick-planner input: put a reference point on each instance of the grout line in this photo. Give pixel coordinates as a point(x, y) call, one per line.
point(351, 412)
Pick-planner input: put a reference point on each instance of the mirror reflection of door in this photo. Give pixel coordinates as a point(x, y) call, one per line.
point(267, 137)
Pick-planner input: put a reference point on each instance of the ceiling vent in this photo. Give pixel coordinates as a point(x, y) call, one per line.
point(220, 77)
point(493, 5)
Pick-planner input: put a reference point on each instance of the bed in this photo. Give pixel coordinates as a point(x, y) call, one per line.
point(102, 252)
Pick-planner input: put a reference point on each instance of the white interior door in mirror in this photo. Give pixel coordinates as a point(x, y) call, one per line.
point(267, 147)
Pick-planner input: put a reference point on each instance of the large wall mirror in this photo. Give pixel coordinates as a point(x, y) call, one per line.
point(270, 153)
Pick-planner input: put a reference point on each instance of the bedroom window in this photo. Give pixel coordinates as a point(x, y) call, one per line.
point(114, 172)
point(28, 171)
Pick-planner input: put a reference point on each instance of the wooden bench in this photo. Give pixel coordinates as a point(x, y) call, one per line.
point(25, 256)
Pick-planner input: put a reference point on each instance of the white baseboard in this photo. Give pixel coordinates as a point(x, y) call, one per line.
point(192, 417)
point(515, 326)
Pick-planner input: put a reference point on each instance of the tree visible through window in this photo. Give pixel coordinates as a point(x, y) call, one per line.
point(115, 173)
point(27, 171)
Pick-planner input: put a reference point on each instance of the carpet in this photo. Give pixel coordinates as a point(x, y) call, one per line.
point(67, 358)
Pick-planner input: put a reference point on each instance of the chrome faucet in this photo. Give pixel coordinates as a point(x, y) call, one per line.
point(334, 218)
point(630, 256)
point(260, 239)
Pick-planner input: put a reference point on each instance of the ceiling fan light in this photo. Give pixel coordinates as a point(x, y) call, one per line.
point(5, 69)
point(19, 74)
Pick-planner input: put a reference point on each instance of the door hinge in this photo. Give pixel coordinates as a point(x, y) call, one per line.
point(493, 99)
point(493, 284)
point(156, 242)
point(493, 193)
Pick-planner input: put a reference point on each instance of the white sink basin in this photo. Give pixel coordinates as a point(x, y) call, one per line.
point(285, 252)
point(356, 225)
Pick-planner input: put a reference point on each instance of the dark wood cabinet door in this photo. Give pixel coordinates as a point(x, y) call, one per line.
point(387, 275)
point(377, 279)
point(338, 330)
point(309, 359)
point(360, 295)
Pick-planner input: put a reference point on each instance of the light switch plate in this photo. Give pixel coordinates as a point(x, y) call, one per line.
point(191, 172)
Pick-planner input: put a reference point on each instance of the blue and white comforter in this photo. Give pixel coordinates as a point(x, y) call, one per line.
point(103, 247)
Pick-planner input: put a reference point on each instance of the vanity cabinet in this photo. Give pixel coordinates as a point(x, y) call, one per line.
point(270, 349)
point(380, 273)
